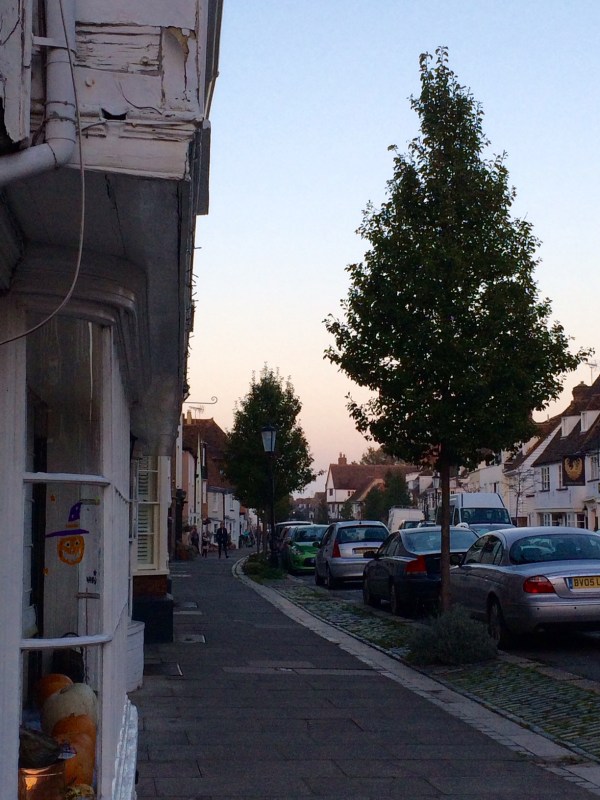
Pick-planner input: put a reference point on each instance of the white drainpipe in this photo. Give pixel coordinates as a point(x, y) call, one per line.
point(60, 131)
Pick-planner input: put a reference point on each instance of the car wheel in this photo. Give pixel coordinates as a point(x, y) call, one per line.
point(395, 605)
point(496, 626)
point(318, 579)
point(369, 598)
point(330, 581)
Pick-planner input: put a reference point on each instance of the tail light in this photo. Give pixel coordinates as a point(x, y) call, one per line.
point(336, 551)
point(539, 584)
point(417, 567)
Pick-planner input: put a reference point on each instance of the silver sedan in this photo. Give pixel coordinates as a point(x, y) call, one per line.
point(523, 580)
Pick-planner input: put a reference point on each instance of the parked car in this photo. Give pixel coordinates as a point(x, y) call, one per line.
point(523, 580)
point(406, 572)
point(299, 547)
point(341, 554)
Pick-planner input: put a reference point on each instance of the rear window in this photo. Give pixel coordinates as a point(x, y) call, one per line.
point(362, 533)
point(564, 547)
point(424, 541)
point(307, 534)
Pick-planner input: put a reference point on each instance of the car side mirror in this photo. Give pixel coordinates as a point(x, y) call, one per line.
point(456, 559)
point(371, 554)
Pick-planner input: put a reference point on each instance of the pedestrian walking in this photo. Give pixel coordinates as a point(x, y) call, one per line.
point(205, 543)
point(222, 537)
point(195, 538)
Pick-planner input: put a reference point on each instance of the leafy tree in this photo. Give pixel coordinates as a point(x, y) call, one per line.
point(322, 510)
point(346, 510)
point(443, 298)
point(377, 455)
point(269, 401)
point(395, 492)
point(374, 505)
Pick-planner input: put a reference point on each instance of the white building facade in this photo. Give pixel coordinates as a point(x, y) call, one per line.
point(104, 149)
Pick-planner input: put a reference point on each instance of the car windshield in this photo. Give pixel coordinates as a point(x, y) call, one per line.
point(483, 515)
point(424, 541)
point(307, 535)
point(362, 533)
point(555, 547)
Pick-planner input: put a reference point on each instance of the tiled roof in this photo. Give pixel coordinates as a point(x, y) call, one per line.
point(585, 398)
point(354, 476)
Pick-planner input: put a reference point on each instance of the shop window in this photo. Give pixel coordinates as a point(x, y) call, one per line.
point(64, 509)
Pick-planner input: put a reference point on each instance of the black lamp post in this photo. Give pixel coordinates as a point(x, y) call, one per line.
point(269, 434)
point(436, 486)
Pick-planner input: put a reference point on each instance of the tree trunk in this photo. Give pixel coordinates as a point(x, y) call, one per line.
point(444, 470)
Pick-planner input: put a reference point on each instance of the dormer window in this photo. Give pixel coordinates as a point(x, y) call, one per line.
point(585, 423)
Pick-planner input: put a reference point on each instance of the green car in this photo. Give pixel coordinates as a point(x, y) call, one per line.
point(299, 547)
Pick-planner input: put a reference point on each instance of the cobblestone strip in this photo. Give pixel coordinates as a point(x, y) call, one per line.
point(521, 690)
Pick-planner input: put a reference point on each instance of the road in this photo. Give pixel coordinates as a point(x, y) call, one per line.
point(576, 653)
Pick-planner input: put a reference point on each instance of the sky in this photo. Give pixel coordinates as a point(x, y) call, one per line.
point(310, 95)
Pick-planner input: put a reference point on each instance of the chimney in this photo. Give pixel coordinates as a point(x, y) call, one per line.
point(342, 460)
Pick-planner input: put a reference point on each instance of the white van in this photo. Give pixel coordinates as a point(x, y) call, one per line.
point(404, 517)
point(476, 508)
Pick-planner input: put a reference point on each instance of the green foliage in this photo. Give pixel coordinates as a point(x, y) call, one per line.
point(258, 567)
point(269, 401)
point(451, 638)
point(346, 510)
point(377, 455)
point(395, 492)
point(443, 322)
point(374, 507)
point(322, 512)
point(379, 499)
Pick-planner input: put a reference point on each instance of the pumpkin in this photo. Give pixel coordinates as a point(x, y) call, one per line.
point(75, 723)
point(80, 790)
point(78, 698)
point(49, 684)
point(80, 767)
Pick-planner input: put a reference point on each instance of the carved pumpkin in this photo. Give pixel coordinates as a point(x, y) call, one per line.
point(49, 684)
point(79, 698)
point(75, 723)
point(80, 767)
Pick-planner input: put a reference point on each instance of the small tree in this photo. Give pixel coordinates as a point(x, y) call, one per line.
point(395, 492)
point(269, 401)
point(373, 507)
point(443, 321)
point(346, 510)
point(322, 511)
point(377, 455)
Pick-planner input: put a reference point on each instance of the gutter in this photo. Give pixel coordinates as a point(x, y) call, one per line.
point(60, 128)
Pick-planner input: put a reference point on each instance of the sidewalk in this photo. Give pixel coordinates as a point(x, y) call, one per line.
point(252, 702)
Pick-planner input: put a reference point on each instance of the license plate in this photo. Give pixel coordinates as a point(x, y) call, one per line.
point(585, 582)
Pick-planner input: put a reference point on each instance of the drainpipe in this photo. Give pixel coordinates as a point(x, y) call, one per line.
point(60, 131)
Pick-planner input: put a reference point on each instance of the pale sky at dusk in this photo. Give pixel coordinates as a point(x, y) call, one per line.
point(310, 95)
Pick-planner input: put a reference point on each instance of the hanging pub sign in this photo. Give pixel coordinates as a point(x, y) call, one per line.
point(573, 470)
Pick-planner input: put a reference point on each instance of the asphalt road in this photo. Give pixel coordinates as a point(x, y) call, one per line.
point(576, 653)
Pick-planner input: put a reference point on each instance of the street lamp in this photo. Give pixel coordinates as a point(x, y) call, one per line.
point(436, 485)
point(269, 434)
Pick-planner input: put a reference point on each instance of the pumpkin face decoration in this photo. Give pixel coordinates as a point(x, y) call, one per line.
point(71, 549)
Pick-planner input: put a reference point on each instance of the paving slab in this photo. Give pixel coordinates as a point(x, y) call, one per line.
point(271, 703)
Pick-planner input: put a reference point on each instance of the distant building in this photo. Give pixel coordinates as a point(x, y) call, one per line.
point(352, 482)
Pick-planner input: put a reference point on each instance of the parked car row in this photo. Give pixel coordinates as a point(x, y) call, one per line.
point(516, 580)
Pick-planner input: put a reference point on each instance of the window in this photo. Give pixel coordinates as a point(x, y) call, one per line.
point(64, 491)
point(545, 477)
point(594, 467)
point(148, 512)
point(559, 479)
point(331, 493)
point(584, 421)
